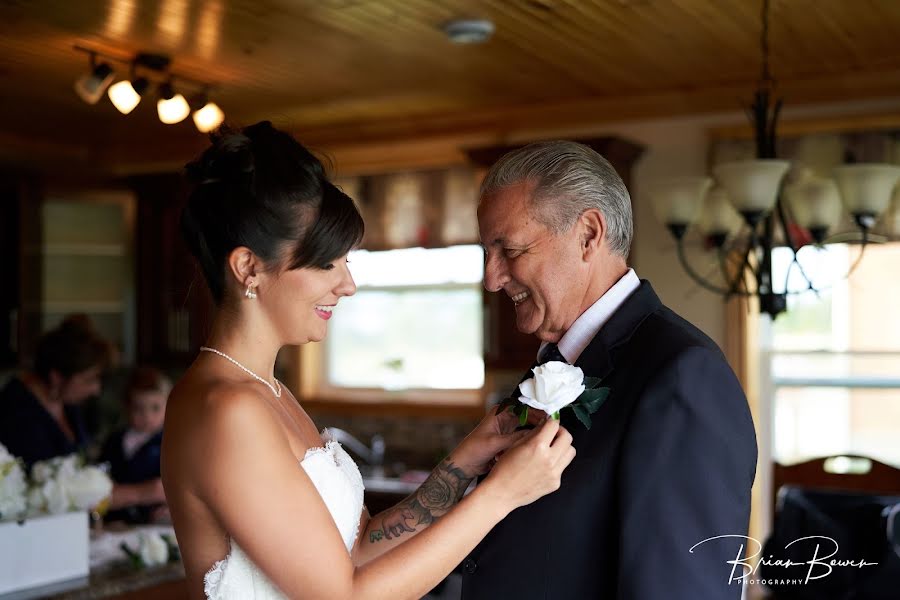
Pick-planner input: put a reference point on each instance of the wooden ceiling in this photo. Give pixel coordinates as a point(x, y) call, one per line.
point(340, 71)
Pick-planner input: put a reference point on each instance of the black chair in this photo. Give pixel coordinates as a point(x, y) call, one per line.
point(849, 513)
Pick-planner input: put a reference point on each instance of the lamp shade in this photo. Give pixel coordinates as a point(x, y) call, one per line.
point(677, 201)
point(752, 185)
point(209, 117)
point(866, 187)
point(172, 110)
point(718, 217)
point(90, 87)
point(814, 202)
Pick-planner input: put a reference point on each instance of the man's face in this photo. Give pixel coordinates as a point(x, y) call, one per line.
point(545, 274)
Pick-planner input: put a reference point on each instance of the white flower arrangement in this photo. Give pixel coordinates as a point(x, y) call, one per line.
point(13, 487)
point(65, 484)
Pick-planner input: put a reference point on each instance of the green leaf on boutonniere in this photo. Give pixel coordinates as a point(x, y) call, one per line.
point(523, 417)
point(582, 415)
point(588, 402)
point(591, 383)
point(593, 399)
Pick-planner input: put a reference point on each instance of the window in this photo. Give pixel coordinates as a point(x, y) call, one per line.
point(413, 328)
point(834, 359)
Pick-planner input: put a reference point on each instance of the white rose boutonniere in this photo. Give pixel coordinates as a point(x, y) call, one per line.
point(555, 386)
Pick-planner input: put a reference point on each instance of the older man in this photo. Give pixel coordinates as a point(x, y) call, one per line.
point(671, 456)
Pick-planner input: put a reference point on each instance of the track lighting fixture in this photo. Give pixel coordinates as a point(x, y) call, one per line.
point(126, 94)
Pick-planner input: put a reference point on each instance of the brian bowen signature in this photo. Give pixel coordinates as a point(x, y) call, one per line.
point(821, 563)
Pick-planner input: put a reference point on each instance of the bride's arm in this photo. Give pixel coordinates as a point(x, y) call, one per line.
point(444, 487)
point(271, 509)
point(435, 497)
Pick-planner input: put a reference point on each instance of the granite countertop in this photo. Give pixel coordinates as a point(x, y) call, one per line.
point(107, 582)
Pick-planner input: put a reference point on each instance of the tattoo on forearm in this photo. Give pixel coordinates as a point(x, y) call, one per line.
point(443, 488)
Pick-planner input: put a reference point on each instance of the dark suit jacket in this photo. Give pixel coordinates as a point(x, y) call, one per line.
point(669, 462)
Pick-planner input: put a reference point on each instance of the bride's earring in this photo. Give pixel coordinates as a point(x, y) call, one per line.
point(250, 294)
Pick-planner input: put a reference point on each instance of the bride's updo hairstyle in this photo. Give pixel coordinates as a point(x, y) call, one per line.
point(260, 188)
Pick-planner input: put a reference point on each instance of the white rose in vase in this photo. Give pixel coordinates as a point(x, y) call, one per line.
point(13, 486)
point(42, 471)
point(87, 487)
point(56, 500)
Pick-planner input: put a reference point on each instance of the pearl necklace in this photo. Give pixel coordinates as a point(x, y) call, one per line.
point(275, 391)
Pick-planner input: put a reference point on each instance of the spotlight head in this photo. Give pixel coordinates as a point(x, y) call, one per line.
point(123, 96)
point(171, 107)
point(90, 87)
point(140, 85)
point(199, 100)
point(208, 117)
point(166, 91)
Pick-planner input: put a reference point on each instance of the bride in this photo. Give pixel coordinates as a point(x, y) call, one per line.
point(264, 506)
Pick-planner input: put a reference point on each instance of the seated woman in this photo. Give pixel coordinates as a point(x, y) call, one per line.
point(133, 451)
point(40, 410)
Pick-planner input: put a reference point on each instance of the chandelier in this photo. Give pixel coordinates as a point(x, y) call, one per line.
point(747, 208)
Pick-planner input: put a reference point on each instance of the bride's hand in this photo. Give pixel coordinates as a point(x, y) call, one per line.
point(475, 455)
point(533, 467)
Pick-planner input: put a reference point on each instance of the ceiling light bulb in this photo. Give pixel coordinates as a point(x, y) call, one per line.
point(123, 96)
point(90, 87)
point(173, 110)
point(209, 117)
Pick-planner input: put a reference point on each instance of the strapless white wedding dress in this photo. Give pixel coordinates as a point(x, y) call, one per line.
point(340, 484)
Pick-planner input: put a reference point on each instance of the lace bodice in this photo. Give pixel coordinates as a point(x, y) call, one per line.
point(340, 484)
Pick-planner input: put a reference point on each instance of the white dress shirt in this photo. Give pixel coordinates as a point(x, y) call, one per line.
point(585, 327)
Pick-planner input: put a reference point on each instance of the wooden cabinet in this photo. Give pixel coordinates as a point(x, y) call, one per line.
point(75, 256)
point(11, 191)
point(112, 251)
point(174, 305)
point(505, 346)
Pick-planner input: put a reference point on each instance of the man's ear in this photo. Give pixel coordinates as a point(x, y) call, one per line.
point(243, 265)
point(593, 232)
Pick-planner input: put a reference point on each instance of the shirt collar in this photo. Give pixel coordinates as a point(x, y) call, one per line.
point(586, 326)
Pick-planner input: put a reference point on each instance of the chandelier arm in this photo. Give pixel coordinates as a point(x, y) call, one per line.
point(796, 261)
point(734, 285)
point(862, 250)
point(856, 263)
point(699, 279)
point(734, 282)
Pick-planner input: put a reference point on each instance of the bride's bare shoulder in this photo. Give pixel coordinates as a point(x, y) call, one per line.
point(205, 414)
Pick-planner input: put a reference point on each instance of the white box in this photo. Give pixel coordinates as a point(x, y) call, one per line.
point(43, 550)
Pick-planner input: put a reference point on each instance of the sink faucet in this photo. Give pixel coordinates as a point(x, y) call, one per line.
point(373, 455)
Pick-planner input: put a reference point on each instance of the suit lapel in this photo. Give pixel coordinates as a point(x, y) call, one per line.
point(598, 359)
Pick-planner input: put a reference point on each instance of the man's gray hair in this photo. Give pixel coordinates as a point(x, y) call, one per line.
point(569, 178)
